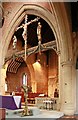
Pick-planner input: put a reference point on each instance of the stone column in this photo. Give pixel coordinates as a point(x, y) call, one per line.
point(76, 91)
point(59, 82)
point(2, 79)
point(3, 76)
point(68, 88)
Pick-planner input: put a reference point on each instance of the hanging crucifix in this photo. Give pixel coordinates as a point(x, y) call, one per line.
point(24, 34)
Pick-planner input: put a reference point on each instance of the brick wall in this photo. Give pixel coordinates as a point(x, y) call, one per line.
point(52, 73)
point(14, 80)
point(45, 76)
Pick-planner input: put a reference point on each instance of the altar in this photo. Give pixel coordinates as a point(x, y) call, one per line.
point(10, 102)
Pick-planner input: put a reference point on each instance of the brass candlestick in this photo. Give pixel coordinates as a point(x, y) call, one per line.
point(26, 112)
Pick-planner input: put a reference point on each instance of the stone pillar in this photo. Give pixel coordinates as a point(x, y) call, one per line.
point(2, 84)
point(68, 88)
point(76, 91)
point(2, 79)
point(59, 82)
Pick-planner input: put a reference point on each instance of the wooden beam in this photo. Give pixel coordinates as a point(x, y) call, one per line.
point(43, 47)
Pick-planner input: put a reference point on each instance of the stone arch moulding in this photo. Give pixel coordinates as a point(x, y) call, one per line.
point(50, 18)
point(19, 16)
point(59, 30)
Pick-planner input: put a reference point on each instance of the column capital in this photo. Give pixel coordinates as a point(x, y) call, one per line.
point(58, 52)
point(67, 63)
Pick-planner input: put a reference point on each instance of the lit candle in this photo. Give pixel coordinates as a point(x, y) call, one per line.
point(25, 79)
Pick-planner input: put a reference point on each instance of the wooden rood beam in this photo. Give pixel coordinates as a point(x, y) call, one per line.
point(43, 47)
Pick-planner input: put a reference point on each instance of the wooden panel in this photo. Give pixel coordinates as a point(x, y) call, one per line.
point(2, 114)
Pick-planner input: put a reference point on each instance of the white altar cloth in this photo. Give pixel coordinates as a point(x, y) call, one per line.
point(17, 100)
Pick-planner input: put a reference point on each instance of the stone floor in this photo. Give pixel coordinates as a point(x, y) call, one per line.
point(37, 113)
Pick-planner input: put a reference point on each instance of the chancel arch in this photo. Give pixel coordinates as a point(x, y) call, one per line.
point(64, 50)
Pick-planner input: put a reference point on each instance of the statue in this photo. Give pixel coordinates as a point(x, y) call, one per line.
point(24, 34)
point(39, 36)
point(14, 42)
point(39, 31)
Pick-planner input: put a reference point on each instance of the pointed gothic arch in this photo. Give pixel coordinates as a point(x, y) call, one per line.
point(62, 36)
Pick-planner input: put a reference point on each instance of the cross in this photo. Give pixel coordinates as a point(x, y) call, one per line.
point(24, 34)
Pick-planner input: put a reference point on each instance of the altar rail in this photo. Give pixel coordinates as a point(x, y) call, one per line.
point(39, 101)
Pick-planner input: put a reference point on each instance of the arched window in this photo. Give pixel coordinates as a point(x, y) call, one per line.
point(24, 80)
